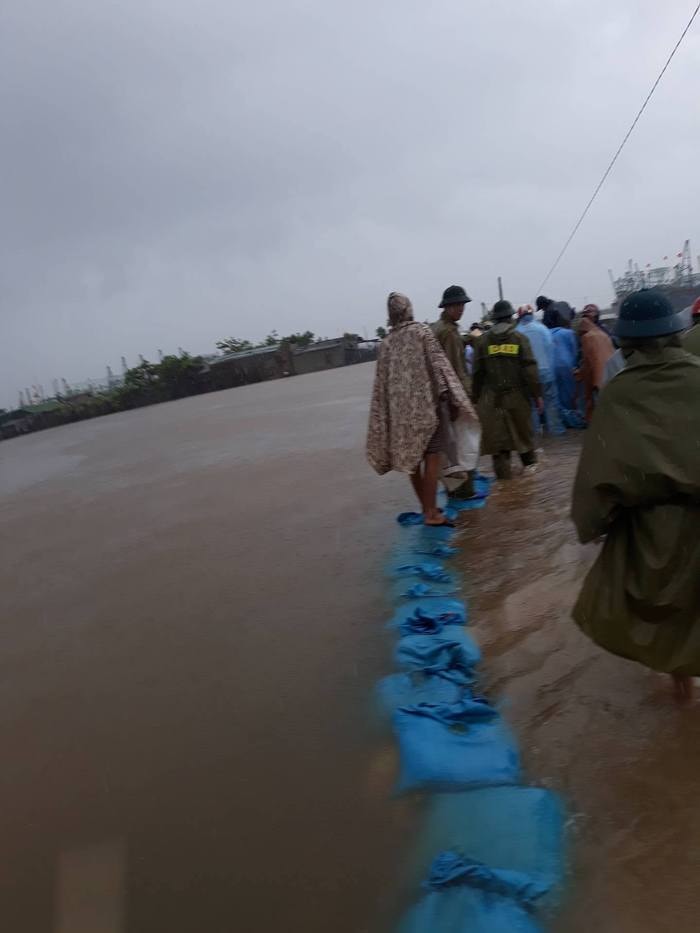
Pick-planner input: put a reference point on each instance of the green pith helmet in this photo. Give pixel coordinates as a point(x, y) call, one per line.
point(649, 313)
point(454, 295)
point(502, 311)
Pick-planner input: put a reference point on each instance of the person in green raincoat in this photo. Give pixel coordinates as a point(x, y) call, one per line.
point(638, 486)
point(691, 341)
point(446, 329)
point(505, 381)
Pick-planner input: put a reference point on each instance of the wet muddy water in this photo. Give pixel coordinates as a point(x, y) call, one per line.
point(192, 608)
point(602, 731)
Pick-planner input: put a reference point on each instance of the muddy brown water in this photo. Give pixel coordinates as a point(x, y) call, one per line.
point(192, 608)
point(192, 599)
point(602, 731)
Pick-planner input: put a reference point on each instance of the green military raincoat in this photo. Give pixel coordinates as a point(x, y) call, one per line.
point(505, 381)
point(450, 340)
point(638, 483)
point(691, 340)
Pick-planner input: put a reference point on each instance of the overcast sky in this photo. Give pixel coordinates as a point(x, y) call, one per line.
point(174, 172)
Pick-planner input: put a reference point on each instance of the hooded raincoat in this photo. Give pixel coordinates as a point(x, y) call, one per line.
point(638, 484)
point(412, 376)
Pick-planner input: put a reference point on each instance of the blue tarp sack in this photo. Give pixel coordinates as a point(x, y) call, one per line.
point(420, 622)
point(516, 828)
point(415, 587)
point(482, 488)
point(430, 571)
point(468, 897)
point(414, 687)
point(426, 549)
point(411, 519)
point(449, 747)
point(447, 611)
point(425, 538)
point(447, 649)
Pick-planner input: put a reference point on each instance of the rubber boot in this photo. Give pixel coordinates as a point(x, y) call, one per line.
point(466, 490)
point(501, 465)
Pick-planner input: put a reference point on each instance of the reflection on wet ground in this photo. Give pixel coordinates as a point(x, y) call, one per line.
point(603, 731)
point(193, 598)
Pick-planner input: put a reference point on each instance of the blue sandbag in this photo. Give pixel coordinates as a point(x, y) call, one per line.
point(444, 551)
point(408, 519)
point(413, 687)
point(482, 485)
point(422, 543)
point(466, 505)
point(430, 571)
point(423, 622)
point(482, 488)
point(453, 747)
point(423, 537)
point(447, 649)
point(516, 828)
point(468, 897)
point(444, 610)
point(450, 869)
point(416, 588)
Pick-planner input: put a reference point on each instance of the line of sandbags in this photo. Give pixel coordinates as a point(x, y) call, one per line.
point(491, 849)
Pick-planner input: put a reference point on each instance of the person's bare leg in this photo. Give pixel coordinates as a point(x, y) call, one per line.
point(684, 687)
point(417, 483)
point(431, 470)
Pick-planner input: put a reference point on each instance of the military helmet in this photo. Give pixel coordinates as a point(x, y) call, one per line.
point(649, 313)
point(454, 295)
point(502, 311)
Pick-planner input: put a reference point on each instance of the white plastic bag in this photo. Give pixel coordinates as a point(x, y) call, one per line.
point(463, 451)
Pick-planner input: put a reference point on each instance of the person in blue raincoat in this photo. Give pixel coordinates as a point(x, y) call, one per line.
point(566, 359)
point(542, 344)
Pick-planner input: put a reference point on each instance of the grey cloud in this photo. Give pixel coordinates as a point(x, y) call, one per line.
point(173, 172)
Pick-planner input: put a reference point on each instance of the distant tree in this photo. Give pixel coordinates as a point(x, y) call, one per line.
point(178, 376)
point(300, 340)
point(233, 345)
point(143, 376)
point(381, 332)
point(272, 339)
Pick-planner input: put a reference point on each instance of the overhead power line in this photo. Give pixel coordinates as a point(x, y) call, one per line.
point(619, 150)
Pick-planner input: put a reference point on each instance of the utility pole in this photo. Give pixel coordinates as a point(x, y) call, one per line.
point(500, 288)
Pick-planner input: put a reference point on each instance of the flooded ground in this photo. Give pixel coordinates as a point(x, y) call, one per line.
point(603, 731)
point(192, 608)
point(192, 601)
